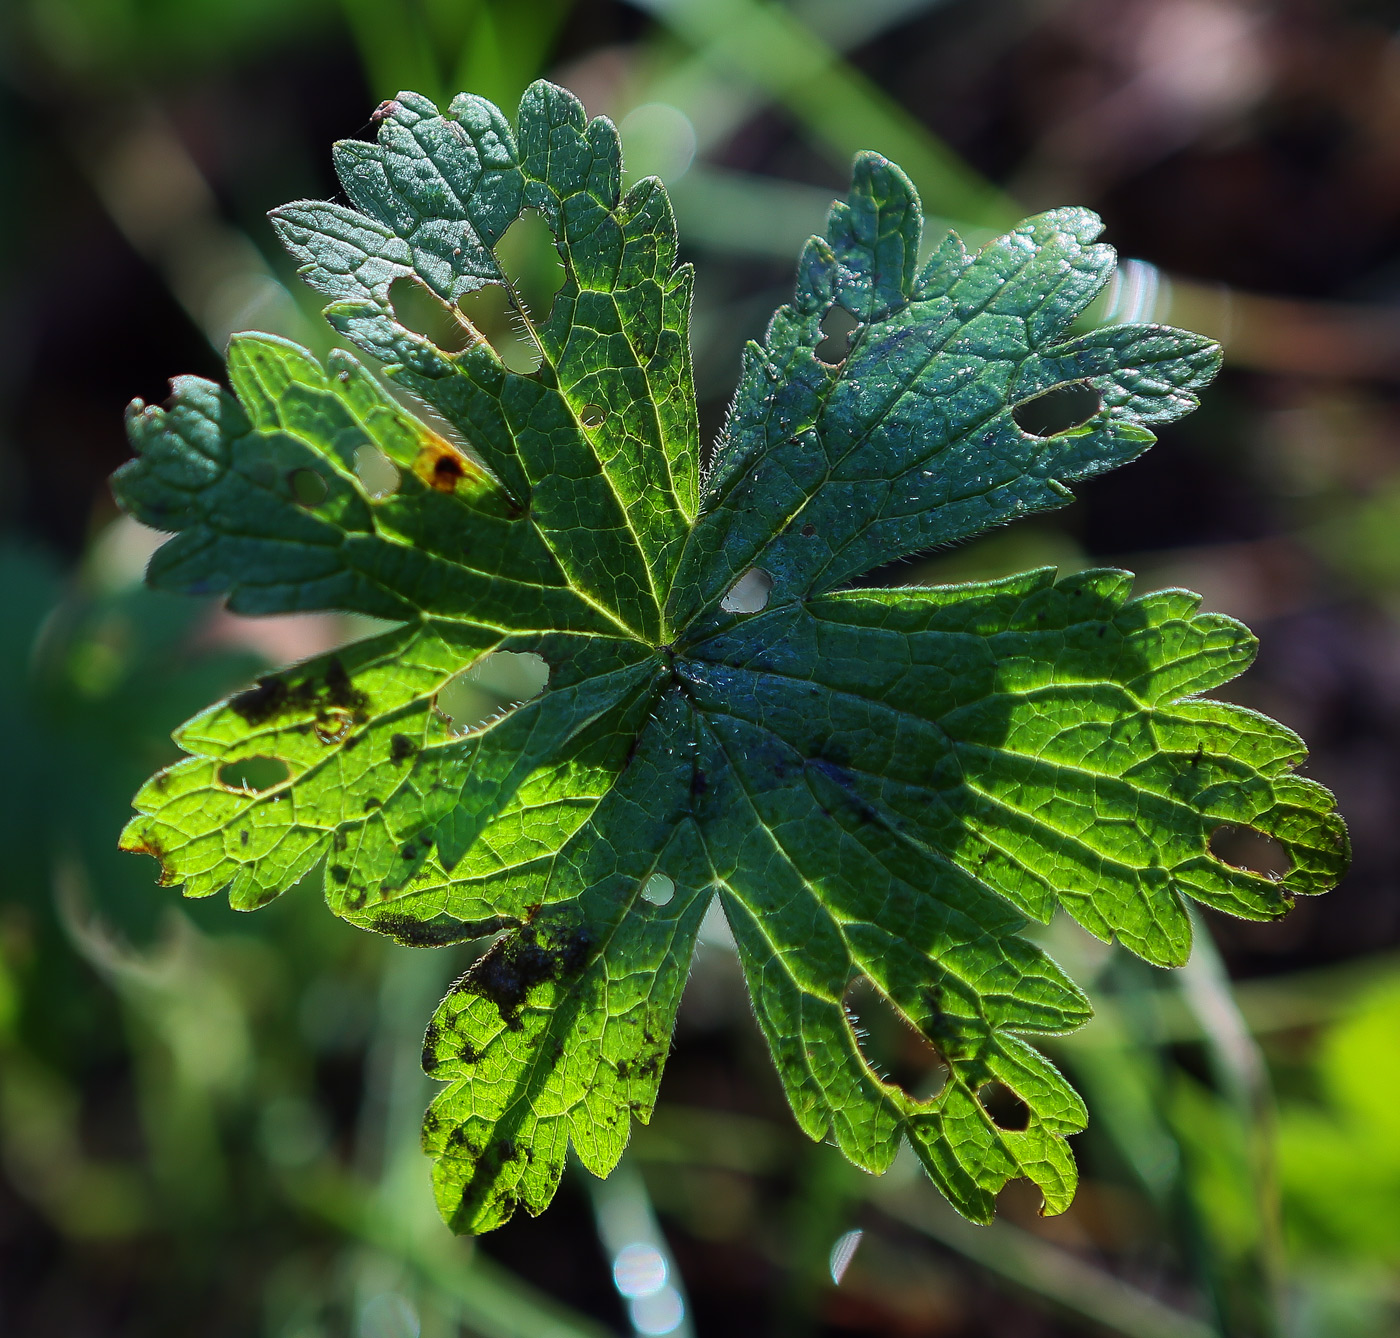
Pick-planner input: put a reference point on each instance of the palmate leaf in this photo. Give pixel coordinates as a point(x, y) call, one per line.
point(879, 785)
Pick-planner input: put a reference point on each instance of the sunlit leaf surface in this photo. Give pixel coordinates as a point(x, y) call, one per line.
point(879, 784)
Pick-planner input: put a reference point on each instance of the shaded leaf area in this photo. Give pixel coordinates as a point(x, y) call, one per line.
point(880, 786)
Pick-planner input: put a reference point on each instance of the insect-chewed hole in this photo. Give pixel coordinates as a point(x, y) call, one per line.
point(418, 308)
point(529, 258)
point(377, 473)
point(1057, 410)
point(1005, 1109)
point(254, 774)
point(308, 487)
point(592, 415)
point(658, 889)
point(749, 594)
point(1250, 850)
point(838, 325)
point(896, 1050)
point(492, 687)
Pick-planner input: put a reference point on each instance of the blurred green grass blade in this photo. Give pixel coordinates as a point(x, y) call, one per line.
point(1248, 1277)
point(744, 213)
point(1043, 1269)
point(718, 100)
point(395, 45)
point(493, 1301)
point(633, 1241)
point(508, 46)
point(842, 109)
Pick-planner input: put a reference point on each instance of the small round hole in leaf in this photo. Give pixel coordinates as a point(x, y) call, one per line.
point(1058, 410)
point(1006, 1109)
point(308, 487)
point(749, 594)
point(1250, 850)
point(658, 889)
point(254, 774)
point(838, 325)
point(592, 415)
point(492, 687)
point(378, 474)
point(894, 1049)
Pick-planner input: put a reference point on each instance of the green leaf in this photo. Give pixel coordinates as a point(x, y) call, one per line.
point(879, 785)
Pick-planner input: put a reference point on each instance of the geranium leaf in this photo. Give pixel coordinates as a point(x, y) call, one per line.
point(880, 786)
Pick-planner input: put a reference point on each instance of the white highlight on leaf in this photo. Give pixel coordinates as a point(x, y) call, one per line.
point(749, 594)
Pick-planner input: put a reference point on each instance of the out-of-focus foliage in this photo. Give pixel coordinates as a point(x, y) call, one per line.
point(1245, 153)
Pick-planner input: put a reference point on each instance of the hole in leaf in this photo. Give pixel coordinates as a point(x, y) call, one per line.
point(528, 256)
point(592, 415)
point(254, 774)
point(838, 325)
point(1250, 850)
point(492, 687)
point(418, 308)
point(530, 261)
point(658, 889)
point(896, 1050)
point(1058, 410)
point(308, 487)
point(1006, 1109)
point(749, 594)
point(379, 474)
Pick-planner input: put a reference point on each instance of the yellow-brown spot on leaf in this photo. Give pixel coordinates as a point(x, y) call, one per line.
point(442, 466)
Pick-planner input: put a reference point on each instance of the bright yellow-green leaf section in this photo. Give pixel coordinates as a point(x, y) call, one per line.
point(879, 785)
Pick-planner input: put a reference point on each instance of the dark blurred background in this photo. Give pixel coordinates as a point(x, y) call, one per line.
point(208, 1121)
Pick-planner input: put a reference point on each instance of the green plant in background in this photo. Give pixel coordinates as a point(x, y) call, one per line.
point(880, 785)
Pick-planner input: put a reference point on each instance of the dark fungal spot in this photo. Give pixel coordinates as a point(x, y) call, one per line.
point(243, 838)
point(262, 701)
point(808, 530)
point(414, 933)
point(148, 845)
point(339, 689)
point(401, 748)
point(513, 966)
point(447, 469)
point(332, 693)
point(340, 874)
